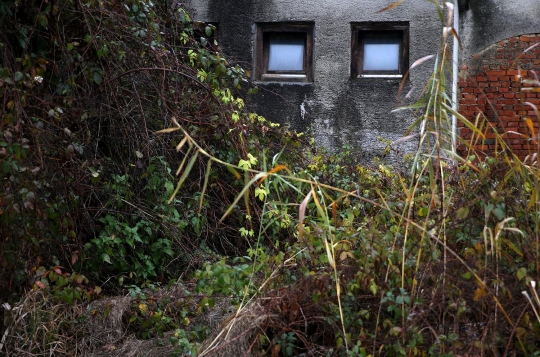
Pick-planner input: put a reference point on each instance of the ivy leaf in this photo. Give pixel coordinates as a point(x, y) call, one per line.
point(252, 159)
point(260, 193)
point(499, 213)
point(462, 213)
point(245, 164)
point(97, 78)
point(373, 287)
point(106, 258)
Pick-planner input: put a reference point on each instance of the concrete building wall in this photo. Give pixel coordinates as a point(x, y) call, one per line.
point(339, 109)
point(486, 22)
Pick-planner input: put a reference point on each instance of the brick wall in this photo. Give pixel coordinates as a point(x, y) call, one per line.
point(498, 82)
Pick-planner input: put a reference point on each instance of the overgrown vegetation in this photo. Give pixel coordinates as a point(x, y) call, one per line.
point(224, 234)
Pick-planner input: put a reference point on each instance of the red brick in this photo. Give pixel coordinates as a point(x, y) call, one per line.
point(483, 85)
point(525, 38)
point(509, 101)
point(496, 73)
point(481, 79)
point(494, 84)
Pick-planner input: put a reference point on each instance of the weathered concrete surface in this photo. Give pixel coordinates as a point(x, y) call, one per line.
point(486, 22)
point(338, 109)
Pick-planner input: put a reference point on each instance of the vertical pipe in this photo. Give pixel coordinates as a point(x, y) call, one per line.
point(455, 74)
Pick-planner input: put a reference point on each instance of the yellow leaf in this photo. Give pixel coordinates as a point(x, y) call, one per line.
point(512, 246)
point(274, 170)
point(479, 293)
point(143, 308)
point(343, 256)
point(479, 247)
point(529, 123)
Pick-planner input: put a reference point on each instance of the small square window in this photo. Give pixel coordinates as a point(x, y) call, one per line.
point(284, 52)
point(379, 49)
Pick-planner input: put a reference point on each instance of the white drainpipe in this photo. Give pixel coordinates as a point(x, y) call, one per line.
point(455, 74)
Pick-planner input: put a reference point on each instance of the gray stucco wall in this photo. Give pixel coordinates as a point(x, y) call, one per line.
point(338, 109)
point(486, 22)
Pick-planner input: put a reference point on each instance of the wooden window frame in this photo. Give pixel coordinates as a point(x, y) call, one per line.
point(268, 29)
point(363, 30)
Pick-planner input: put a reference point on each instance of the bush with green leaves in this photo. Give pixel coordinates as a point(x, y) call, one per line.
point(84, 85)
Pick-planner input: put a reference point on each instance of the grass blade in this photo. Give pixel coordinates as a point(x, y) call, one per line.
point(206, 177)
point(184, 175)
point(302, 215)
point(241, 194)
